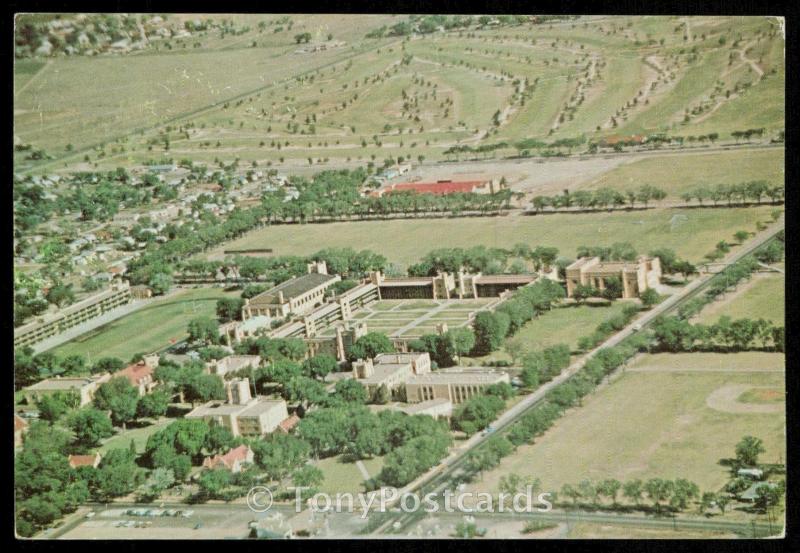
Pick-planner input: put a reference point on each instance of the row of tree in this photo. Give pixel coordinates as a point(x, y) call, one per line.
point(743, 192)
point(675, 334)
point(600, 198)
point(492, 327)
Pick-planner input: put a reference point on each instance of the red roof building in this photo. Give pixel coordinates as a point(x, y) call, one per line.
point(287, 424)
point(20, 427)
point(140, 375)
point(439, 188)
point(76, 461)
point(234, 460)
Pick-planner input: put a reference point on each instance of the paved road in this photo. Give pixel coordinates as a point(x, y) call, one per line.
point(447, 466)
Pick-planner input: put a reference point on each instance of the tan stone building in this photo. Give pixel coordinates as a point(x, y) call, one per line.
point(242, 414)
point(83, 388)
point(436, 408)
point(456, 386)
point(296, 296)
point(232, 364)
point(635, 276)
point(52, 324)
point(390, 369)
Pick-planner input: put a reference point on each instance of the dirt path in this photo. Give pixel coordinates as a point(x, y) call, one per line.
point(726, 399)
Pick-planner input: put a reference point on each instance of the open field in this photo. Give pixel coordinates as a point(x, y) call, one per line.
point(653, 423)
point(149, 329)
point(677, 174)
point(372, 97)
point(341, 477)
point(690, 232)
point(564, 325)
point(138, 436)
point(762, 297)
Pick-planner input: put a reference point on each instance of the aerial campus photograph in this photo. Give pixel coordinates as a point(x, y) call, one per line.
point(397, 276)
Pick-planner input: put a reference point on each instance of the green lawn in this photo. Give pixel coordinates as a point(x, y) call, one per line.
point(122, 440)
point(148, 329)
point(690, 232)
point(650, 424)
point(677, 174)
point(563, 325)
point(762, 297)
point(341, 477)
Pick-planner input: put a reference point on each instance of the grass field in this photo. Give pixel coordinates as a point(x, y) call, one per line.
point(241, 93)
point(139, 436)
point(677, 174)
point(148, 329)
point(690, 232)
point(654, 423)
point(560, 326)
point(762, 297)
point(342, 477)
point(392, 316)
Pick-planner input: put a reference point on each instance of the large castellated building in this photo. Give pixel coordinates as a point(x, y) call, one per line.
point(297, 295)
point(636, 276)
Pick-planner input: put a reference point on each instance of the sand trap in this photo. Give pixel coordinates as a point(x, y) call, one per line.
point(726, 399)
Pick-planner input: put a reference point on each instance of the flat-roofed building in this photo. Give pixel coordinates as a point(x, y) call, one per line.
point(436, 408)
point(52, 324)
point(455, 386)
point(296, 296)
point(390, 369)
point(242, 414)
point(400, 288)
point(83, 388)
point(635, 276)
point(232, 364)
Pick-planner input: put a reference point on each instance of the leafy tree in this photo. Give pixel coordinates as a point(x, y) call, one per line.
point(90, 426)
point(160, 283)
point(370, 345)
point(382, 395)
point(203, 329)
point(108, 364)
point(279, 454)
point(490, 330)
point(748, 449)
point(649, 298)
point(633, 490)
point(120, 397)
point(351, 391)
point(53, 406)
point(154, 404)
point(308, 476)
point(117, 475)
point(320, 365)
point(213, 482)
point(157, 482)
point(658, 490)
point(476, 413)
point(229, 309)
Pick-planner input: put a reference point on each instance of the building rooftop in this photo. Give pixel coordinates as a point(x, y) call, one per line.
point(415, 408)
point(292, 288)
point(504, 279)
point(67, 383)
point(228, 459)
point(136, 372)
point(236, 362)
point(458, 377)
